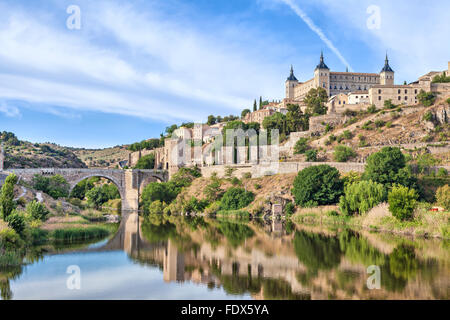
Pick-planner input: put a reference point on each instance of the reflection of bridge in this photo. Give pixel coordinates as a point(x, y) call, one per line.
point(129, 182)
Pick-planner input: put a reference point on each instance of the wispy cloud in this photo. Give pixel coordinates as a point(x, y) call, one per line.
point(9, 111)
point(133, 62)
point(310, 23)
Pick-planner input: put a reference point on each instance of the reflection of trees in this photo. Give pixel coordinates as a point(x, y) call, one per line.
point(236, 233)
point(317, 251)
point(403, 262)
point(358, 250)
point(7, 274)
point(155, 230)
point(278, 289)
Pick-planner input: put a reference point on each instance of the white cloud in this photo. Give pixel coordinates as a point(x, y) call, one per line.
point(129, 62)
point(9, 111)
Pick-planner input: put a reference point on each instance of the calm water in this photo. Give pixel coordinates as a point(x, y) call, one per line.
point(196, 258)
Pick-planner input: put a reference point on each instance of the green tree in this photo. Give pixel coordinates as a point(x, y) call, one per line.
point(426, 98)
point(387, 167)
point(343, 153)
point(211, 120)
point(213, 191)
point(360, 197)
point(146, 162)
point(255, 107)
point(16, 221)
point(7, 204)
point(301, 146)
point(236, 198)
point(96, 197)
point(244, 113)
point(443, 197)
point(37, 210)
point(58, 187)
point(157, 191)
point(295, 119)
point(311, 155)
point(402, 202)
point(315, 101)
point(317, 185)
point(260, 103)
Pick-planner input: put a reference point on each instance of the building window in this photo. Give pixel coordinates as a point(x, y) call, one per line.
point(343, 102)
point(406, 98)
point(399, 98)
point(379, 90)
point(399, 91)
point(379, 97)
point(406, 91)
point(415, 91)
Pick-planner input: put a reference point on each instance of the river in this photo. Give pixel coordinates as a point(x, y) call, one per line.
point(199, 258)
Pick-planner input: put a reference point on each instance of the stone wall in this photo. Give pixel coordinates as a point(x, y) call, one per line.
point(317, 124)
point(272, 168)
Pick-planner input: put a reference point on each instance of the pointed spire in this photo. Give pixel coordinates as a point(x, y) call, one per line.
point(387, 67)
point(346, 69)
point(322, 64)
point(291, 75)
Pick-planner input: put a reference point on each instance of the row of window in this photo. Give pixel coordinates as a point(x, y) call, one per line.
point(399, 91)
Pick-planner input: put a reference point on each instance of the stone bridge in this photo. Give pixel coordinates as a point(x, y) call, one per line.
point(129, 182)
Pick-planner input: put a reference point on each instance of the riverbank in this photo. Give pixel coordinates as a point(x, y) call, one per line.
point(425, 223)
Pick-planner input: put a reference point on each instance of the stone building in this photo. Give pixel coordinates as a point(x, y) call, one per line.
point(336, 82)
point(258, 116)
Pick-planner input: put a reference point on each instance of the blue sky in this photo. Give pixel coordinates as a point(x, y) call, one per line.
point(135, 67)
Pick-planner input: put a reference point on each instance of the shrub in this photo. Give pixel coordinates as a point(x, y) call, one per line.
point(301, 146)
point(402, 202)
point(55, 186)
point(372, 109)
point(236, 198)
point(257, 186)
point(247, 175)
point(156, 207)
point(213, 191)
point(379, 123)
point(146, 162)
point(311, 155)
point(428, 116)
point(443, 196)
point(343, 153)
point(442, 172)
point(7, 204)
point(317, 185)
point(448, 100)
point(389, 124)
point(426, 98)
point(194, 205)
point(37, 210)
point(387, 167)
point(235, 181)
point(347, 134)
point(289, 209)
point(157, 191)
point(360, 197)
point(16, 221)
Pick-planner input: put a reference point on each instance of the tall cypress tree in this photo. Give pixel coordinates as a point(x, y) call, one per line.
point(254, 105)
point(260, 102)
point(7, 204)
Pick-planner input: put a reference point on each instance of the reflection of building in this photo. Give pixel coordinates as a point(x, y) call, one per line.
point(173, 264)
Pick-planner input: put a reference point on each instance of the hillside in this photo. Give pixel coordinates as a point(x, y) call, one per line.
point(24, 154)
point(102, 158)
point(414, 128)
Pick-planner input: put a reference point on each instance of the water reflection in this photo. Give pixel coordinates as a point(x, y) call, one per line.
point(263, 260)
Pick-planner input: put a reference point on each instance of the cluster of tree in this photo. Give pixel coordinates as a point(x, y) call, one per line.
point(99, 195)
point(426, 98)
point(15, 218)
point(146, 162)
point(146, 144)
point(9, 138)
point(386, 177)
point(443, 78)
point(55, 186)
point(294, 120)
point(219, 119)
point(166, 192)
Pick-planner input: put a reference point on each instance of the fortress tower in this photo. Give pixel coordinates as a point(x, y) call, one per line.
point(386, 74)
point(290, 84)
point(322, 75)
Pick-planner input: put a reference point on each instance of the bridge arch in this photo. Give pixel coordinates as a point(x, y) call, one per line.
point(117, 183)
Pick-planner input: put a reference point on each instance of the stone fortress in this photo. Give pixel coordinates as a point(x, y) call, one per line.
point(346, 91)
point(354, 90)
